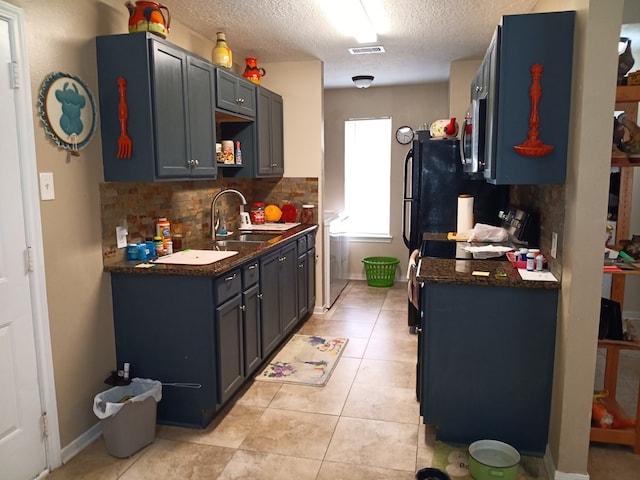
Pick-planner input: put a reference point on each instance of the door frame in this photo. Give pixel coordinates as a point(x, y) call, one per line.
point(33, 230)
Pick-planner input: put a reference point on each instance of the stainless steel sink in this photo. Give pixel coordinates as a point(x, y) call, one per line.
point(244, 239)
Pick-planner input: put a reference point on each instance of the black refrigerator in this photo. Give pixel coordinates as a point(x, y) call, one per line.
point(433, 179)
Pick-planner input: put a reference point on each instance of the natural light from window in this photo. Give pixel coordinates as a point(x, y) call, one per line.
point(367, 154)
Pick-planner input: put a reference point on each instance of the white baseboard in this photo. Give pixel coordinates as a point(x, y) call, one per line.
point(631, 315)
point(80, 443)
point(556, 475)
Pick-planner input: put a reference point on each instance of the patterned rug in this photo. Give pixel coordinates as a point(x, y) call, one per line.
point(455, 461)
point(305, 360)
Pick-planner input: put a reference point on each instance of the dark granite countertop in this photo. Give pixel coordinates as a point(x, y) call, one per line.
point(245, 253)
point(459, 272)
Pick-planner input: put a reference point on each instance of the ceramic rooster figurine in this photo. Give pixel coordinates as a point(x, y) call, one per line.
point(632, 145)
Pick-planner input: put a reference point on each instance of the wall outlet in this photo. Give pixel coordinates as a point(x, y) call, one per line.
point(121, 237)
point(554, 245)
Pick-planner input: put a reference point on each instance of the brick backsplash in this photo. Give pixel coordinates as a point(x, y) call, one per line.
point(187, 205)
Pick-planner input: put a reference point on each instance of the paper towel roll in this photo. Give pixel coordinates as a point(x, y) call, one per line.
point(465, 214)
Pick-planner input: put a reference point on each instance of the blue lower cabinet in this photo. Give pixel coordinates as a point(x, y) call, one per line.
point(486, 363)
point(164, 327)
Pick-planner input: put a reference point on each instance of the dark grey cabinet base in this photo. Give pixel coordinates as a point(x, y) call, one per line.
point(167, 338)
point(486, 363)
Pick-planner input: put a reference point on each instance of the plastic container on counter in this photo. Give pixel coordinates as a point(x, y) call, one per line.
point(257, 213)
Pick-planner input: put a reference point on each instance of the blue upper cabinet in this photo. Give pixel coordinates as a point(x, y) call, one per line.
point(235, 94)
point(512, 96)
point(167, 109)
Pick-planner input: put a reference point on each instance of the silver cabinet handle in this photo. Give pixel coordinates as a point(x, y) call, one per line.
point(259, 296)
point(232, 277)
point(195, 162)
point(253, 267)
point(243, 307)
point(274, 164)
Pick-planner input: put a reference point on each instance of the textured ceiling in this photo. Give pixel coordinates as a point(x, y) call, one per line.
point(425, 35)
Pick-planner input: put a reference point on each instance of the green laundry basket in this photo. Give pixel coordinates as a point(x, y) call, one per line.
point(380, 271)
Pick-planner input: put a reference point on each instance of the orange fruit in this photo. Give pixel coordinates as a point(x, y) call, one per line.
point(272, 213)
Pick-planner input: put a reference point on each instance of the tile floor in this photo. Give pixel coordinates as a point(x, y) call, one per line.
point(364, 423)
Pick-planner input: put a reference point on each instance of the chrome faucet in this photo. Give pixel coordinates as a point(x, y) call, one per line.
point(215, 215)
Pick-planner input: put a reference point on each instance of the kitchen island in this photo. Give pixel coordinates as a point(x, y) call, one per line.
point(486, 353)
point(205, 330)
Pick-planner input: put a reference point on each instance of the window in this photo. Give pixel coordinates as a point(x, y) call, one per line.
point(367, 164)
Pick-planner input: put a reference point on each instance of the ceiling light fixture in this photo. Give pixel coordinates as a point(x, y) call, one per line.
point(362, 19)
point(362, 81)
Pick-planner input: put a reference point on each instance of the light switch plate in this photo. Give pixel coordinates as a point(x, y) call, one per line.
point(47, 191)
point(121, 237)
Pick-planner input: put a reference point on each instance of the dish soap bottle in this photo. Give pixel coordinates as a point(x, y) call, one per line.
point(221, 54)
point(238, 154)
point(222, 228)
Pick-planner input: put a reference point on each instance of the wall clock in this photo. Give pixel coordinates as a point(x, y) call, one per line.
point(68, 111)
point(404, 135)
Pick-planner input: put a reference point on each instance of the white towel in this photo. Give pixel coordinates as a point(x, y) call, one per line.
point(413, 288)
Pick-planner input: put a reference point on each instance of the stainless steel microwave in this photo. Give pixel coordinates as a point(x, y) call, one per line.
point(473, 137)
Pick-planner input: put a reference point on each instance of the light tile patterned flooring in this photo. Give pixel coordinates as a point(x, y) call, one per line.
point(364, 424)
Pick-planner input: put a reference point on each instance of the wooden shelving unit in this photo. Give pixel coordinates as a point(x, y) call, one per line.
point(627, 98)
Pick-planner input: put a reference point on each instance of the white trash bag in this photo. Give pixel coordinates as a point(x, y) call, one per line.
point(488, 233)
point(109, 402)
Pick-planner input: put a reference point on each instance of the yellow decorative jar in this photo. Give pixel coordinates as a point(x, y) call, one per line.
point(221, 53)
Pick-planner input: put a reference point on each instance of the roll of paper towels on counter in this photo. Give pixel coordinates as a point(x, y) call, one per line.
point(465, 214)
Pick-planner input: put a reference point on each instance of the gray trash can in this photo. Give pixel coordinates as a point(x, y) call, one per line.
point(128, 416)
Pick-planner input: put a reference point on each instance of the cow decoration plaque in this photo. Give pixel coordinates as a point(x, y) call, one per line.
point(67, 111)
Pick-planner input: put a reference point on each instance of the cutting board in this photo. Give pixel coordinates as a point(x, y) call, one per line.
point(195, 257)
point(280, 227)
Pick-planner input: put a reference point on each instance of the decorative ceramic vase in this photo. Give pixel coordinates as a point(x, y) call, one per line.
point(252, 72)
point(221, 54)
point(148, 17)
point(625, 61)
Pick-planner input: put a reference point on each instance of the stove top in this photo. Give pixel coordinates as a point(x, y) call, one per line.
point(454, 250)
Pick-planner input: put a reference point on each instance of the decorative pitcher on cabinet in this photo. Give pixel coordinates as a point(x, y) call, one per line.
point(148, 17)
point(252, 72)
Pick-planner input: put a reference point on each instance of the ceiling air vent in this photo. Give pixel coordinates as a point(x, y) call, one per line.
point(366, 50)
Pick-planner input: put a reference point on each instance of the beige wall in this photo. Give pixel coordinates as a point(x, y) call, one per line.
point(461, 74)
point(593, 94)
point(411, 105)
point(300, 84)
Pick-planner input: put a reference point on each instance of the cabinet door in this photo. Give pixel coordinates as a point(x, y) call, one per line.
point(246, 92)
point(264, 132)
point(251, 328)
point(170, 111)
point(288, 287)
point(277, 135)
point(201, 103)
point(302, 281)
point(230, 352)
point(311, 283)
point(226, 90)
point(270, 134)
point(271, 331)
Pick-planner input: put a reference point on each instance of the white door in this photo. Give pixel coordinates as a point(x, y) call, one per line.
point(22, 445)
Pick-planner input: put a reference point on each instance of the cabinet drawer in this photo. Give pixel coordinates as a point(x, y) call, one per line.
point(228, 285)
point(250, 274)
point(311, 241)
point(302, 245)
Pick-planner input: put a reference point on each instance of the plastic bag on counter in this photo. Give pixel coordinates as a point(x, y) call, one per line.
point(488, 233)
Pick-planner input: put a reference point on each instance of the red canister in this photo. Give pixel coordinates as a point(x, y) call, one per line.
point(257, 213)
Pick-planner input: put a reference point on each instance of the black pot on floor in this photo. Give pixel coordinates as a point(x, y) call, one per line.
point(431, 474)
